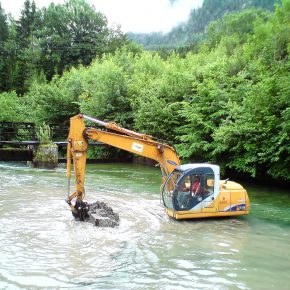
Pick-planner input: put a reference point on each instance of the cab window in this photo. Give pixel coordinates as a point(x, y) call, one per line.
point(169, 188)
point(209, 184)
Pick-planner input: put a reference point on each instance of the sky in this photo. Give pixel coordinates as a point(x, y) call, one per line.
point(133, 15)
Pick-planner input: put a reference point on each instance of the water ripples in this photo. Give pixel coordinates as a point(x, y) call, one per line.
point(42, 246)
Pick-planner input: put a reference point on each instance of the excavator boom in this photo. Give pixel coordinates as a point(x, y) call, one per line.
point(140, 144)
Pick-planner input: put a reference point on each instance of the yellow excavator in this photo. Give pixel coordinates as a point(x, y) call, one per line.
point(187, 191)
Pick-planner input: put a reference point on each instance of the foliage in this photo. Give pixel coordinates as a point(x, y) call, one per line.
point(105, 92)
point(225, 102)
point(44, 134)
point(191, 31)
point(52, 102)
point(52, 40)
point(235, 28)
point(12, 108)
point(4, 33)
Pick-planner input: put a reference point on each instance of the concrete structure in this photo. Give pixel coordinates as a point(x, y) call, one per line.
point(45, 156)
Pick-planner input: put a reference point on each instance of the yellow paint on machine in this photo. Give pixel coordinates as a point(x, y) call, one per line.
point(232, 200)
point(211, 198)
point(195, 215)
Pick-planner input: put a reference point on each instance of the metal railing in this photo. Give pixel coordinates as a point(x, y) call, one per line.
point(26, 131)
point(17, 131)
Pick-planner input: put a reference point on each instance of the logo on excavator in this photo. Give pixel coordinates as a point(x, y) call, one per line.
point(78, 143)
point(137, 147)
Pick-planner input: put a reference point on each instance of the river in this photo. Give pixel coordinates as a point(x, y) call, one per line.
point(43, 247)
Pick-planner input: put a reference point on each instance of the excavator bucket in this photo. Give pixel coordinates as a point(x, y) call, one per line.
point(98, 213)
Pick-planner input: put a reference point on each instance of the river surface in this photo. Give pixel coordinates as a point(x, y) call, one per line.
point(42, 247)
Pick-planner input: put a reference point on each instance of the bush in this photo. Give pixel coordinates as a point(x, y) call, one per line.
point(43, 134)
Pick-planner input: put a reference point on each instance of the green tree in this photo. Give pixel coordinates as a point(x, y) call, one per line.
point(3, 26)
point(255, 137)
point(26, 46)
point(73, 34)
point(186, 34)
point(51, 41)
point(105, 92)
point(4, 33)
point(12, 107)
point(51, 102)
point(26, 24)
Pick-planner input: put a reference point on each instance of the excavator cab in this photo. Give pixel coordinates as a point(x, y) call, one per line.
point(191, 187)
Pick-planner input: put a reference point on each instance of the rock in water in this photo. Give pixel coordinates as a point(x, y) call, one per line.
point(102, 215)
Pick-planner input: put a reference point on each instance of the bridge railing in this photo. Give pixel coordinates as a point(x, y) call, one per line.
point(59, 132)
point(17, 131)
point(26, 131)
point(16, 136)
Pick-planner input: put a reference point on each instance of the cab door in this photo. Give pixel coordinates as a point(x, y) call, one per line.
point(208, 192)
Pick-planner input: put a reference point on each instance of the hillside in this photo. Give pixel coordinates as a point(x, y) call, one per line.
point(191, 31)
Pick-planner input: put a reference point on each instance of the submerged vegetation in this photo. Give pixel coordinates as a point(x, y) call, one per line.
point(226, 102)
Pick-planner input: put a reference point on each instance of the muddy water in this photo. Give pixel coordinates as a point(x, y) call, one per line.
point(42, 247)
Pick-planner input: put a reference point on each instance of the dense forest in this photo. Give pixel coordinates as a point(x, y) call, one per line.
point(226, 102)
point(42, 43)
point(189, 33)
